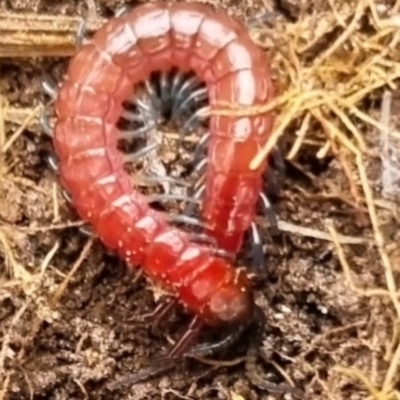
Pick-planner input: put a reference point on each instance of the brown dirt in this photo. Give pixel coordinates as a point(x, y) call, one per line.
point(73, 348)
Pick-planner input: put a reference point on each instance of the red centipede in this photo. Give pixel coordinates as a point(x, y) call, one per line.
point(88, 105)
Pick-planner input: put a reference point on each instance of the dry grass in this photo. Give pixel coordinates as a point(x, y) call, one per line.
point(330, 89)
point(323, 83)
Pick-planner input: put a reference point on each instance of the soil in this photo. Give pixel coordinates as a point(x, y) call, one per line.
point(73, 348)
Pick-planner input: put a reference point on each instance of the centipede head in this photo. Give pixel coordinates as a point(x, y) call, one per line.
point(233, 304)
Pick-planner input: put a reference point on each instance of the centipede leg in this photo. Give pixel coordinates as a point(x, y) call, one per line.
point(269, 214)
point(186, 339)
point(196, 96)
point(45, 123)
point(181, 92)
point(154, 317)
point(201, 146)
point(137, 133)
point(133, 157)
point(87, 231)
point(251, 363)
point(52, 162)
point(275, 174)
point(190, 123)
point(80, 33)
point(121, 11)
point(278, 160)
point(49, 87)
point(258, 257)
point(165, 363)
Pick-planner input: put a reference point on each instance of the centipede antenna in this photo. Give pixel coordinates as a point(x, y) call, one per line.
point(49, 87)
point(269, 213)
point(258, 258)
point(52, 161)
point(133, 157)
point(80, 33)
point(45, 123)
point(251, 363)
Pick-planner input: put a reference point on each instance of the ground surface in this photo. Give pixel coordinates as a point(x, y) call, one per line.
point(327, 337)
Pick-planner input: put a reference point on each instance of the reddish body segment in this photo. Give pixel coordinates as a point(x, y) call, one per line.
point(124, 52)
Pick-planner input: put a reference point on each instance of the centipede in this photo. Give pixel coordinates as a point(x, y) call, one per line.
point(198, 55)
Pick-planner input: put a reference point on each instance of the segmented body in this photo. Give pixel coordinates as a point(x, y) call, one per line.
point(100, 77)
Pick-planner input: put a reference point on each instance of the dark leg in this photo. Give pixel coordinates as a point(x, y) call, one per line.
point(275, 173)
point(251, 364)
point(156, 315)
point(49, 87)
point(269, 214)
point(278, 161)
point(45, 123)
point(182, 345)
point(257, 254)
point(165, 363)
point(87, 230)
point(52, 162)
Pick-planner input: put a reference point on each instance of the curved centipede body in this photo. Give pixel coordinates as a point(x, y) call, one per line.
point(89, 104)
point(191, 37)
point(100, 77)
